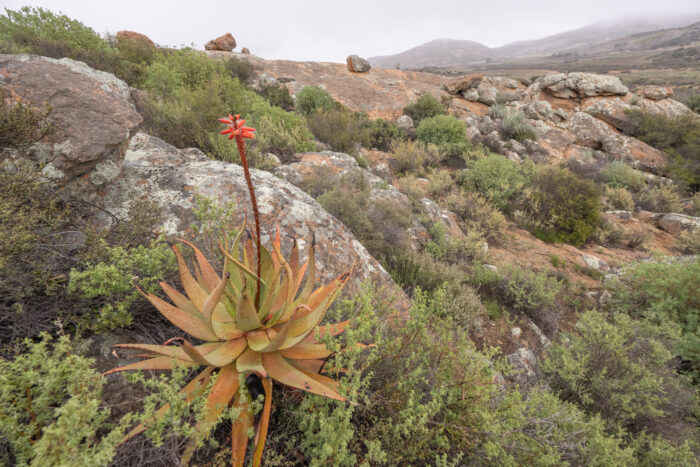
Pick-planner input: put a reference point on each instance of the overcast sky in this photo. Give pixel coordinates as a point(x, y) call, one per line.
point(329, 30)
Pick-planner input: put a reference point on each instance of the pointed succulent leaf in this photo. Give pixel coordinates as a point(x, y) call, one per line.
point(157, 363)
point(213, 300)
point(279, 369)
point(305, 352)
point(250, 361)
point(261, 431)
point(246, 316)
point(239, 432)
point(178, 299)
point(193, 325)
point(209, 276)
point(194, 291)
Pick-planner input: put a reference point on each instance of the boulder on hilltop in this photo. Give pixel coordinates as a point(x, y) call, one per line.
point(357, 64)
point(225, 43)
point(123, 36)
point(245, 50)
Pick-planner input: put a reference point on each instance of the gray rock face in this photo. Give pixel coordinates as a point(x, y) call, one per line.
point(333, 164)
point(655, 93)
point(357, 64)
point(524, 364)
point(676, 223)
point(405, 123)
point(159, 172)
point(93, 114)
point(579, 85)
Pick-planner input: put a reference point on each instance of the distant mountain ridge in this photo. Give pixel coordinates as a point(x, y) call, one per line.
point(602, 37)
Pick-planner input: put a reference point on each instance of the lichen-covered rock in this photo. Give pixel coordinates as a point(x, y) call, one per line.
point(447, 218)
point(676, 223)
point(524, 364)
point(578, 85)
point(333, 164)
point(463, 83)
point(655, 93)
point(357, 64)
point(93, 115)
point(225, 43)
point(405, 123)
point(168, 176)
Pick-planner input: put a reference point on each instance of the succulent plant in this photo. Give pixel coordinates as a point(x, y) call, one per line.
point(278, 340)
point(253, 320)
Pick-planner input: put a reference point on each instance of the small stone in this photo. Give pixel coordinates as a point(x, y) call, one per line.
point(245, 50)
point(516, 332)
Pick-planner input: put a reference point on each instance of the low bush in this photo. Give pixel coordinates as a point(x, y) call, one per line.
point(607, 233)
point(663, 198)
point(243, 70)
point(678, 137)
point(440, 184)
point(562, 207)
point(620, 175)
point(618, 198)
point(515, 126)
point(108, 286)
point(312, 99)
point(51, 412)
point(494, 177)
point(426, 106)
point(277, 95)
point(442, 129)
point(663, 292)
point(382, 134)
point(693, 103)
point(413, 156)
point(341, 129)
point(689, 242)
point(529, 292)
point(21, 125)
point(477, 213)
point(498, 111)
point(619, 368)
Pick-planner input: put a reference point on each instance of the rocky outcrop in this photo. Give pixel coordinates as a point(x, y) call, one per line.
point(225, 43)
point(357, 64)
point(405, 123)
point(655, 93)
point(332, 165)
point(169, 176)
point(463, 83)
point(578, 85)
point(93, 114)
point(126, 36)
point(676, 223)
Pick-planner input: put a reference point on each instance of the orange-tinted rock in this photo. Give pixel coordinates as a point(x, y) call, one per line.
point(134, 36)
point(245, 50)
point(225, 43)
point(463, 83)
point(357, 64)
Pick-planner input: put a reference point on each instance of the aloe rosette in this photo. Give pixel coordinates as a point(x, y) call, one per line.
point(254, 318)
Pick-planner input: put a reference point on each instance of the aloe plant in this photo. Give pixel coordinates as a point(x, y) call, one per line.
point(253, 320)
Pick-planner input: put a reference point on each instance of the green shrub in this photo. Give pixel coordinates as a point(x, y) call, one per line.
point(20, 124)
point(382, 134)
point(515, 126)
point(341, 129)
point(441, 129)
point(608, 233)
point(663, 292)
point(498, 111)
point(620, 175)
point(188, 93)
point(689, 242)
point(618, 198)
point(678, 137)
point(23, 29)
point(477, 213)
point(495, 177)
point(653, 450)
point(440, 183)
point(413, 156)
point(379, 225)
point(32, 217)
point(426, 106)
point(312, 99)
point(563, 207)
point(241, 69)
point(663, 198)
point(51, 411)
point(693, 103)
point(109, 285)
point(616, 367)
point(277, 95)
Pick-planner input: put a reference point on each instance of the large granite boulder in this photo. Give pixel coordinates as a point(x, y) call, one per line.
point(225, 43)
point(357, 64)
point(93, 114)
point(168, 176)
point(676, 223)
point(131, 36)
